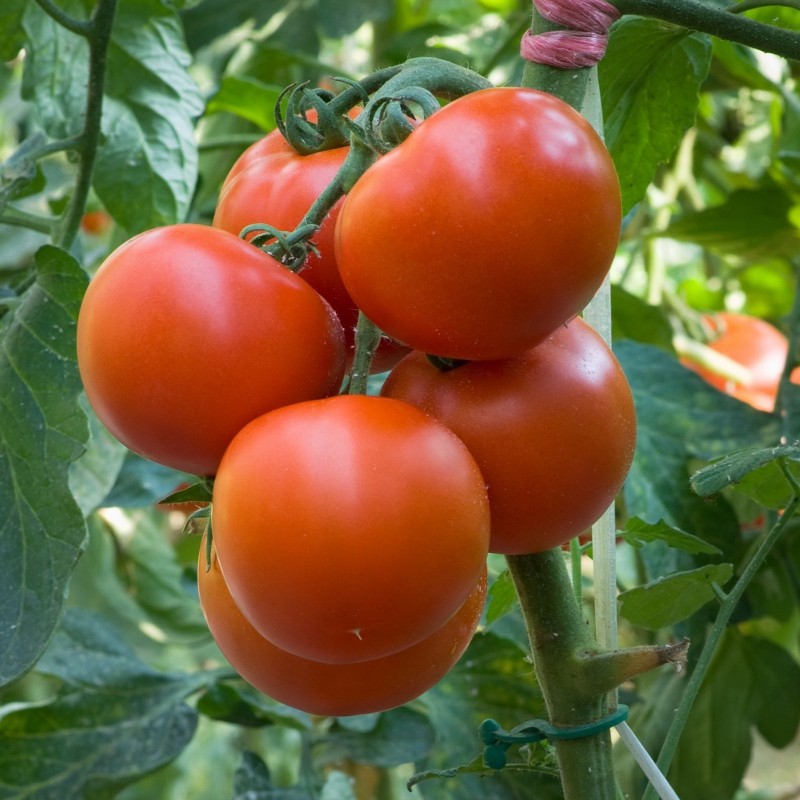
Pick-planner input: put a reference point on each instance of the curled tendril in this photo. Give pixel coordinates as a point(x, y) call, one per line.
point(302, 134)
point(291, 249)
point(391, 119)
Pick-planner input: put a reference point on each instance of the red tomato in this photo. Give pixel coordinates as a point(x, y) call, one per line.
point(487, 228)
point(349, 528)
point(333, 689)
point(279, 190)
point(187, 333)
point(553, 432)
point(96, 222)
point(754, 344)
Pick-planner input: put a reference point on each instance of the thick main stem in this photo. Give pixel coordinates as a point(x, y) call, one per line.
point(557, 634)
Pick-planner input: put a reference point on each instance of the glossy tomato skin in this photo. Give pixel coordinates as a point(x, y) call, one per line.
point(279, 189)
point(553, 432)
point(333, 689)
point(756, 345)
point(272, 143)
point(491, 225)
point(349, 528)
point(186, 333)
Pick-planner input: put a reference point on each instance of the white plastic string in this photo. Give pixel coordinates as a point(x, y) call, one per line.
point(648, 766)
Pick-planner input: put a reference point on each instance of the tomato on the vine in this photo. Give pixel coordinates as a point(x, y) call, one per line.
point(492, 224)
point(278, 190)
point(333, 689)
point(186, 333)
point(756, 345)
point(349, 528)
point(553, 431)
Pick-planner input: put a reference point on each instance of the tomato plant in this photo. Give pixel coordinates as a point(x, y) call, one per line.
point(332, 519)
point(186, 333)
point(754, 344)
point(553, 431)
point(333, 689)
point(492, 224)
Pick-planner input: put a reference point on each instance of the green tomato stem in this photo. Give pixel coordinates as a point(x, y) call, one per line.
point(722, 23)
point(78, 26)
point(715, 635)
point(99, 37)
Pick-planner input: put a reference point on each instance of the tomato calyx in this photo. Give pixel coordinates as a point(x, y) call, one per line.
point(391, 119)
point(302, 134)
point(445, 364)
point(290, 248)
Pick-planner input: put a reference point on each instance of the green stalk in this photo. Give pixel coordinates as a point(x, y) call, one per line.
point(557, 634)
point(98, 35)
point(722, 23)
point(731, 600)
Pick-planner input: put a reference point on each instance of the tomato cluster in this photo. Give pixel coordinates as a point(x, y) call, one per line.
point(350, 532)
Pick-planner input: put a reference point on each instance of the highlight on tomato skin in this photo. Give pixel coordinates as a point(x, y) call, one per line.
point(333, 519)
point(186, 333)
point(754, 344)
point(333, 689)
point(553, 431)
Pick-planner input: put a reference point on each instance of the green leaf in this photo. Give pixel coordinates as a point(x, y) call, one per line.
point(248, 98)
point(672, 599)
point(12, 35)
point(634, 319)
point(493, 679)
point(131, 575)
point(751, 224)
point(400, 737)
point(94, 473)
point(147, 166)
point(147, 160)
point(241, 704)
point(252, 781)
point(746, 685)
point(338, 786)
point(501, 598)
point(680, 417)
point(211, 19)
point(42, 430)
point(638, 532)
point(341, 17)
point(650, 78)
point(143, 483)
point(114, 719)
point(733, 468)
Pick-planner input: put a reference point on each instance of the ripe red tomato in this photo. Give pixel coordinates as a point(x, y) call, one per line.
point(553, 431)
point(492, 224)
point(96, 222)
point(186, 333)
point(756, 345)
point(333, 689)
point(279, 190)
point(349, 528)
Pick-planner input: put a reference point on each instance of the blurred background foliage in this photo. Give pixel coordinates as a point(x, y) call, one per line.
point(131, 697)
